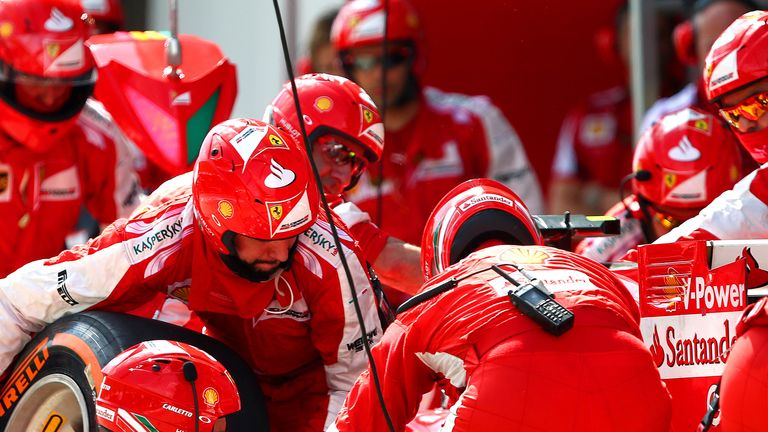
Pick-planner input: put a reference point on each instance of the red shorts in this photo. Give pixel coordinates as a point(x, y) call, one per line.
point(590, 379)
point(299, 404)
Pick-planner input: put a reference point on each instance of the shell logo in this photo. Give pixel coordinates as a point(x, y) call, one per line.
point(525, 256)
point(671, 280)
point(226, 209)
point(6, 29)
point(210, 396)
point(666, 295)
point(323, 103)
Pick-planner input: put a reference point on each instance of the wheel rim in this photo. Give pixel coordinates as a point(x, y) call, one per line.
point(53, 403)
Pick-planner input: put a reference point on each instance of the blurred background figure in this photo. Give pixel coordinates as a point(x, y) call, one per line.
point(106, 17)
point(435, 140)
point(52, 161)
point(734, 76)
point(682, 163)
point(594, 147)
point(692, 40)
point(322, 56)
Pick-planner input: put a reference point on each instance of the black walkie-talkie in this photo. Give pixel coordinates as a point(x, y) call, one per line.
point(534, 301)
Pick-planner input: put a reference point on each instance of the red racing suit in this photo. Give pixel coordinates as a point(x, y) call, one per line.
point(738, 214)
point(371, 238)
point(598, 376)
point(298, 331)
point(595, 142)
point(41, 194)
point(452, 138)
point(614, 248)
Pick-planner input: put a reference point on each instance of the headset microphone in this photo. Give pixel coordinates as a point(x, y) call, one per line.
point(642, 175)
point(190, 374)
point(639, 175)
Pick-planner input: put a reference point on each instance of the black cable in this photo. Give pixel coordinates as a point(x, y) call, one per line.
point(713, 408)
point(382, 113)
point(641, 175)
point(449, 284)
point(337, 242)
point(190, 374)
point(645, 223)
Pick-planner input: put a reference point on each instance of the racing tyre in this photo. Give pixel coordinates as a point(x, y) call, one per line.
point(52, 386)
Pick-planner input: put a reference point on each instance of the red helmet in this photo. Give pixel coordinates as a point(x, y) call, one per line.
point(331, 105)
point(46, 72)
point(253, 179)
point(691, 156)
point(737, 59)
point(108, 14)
point(361, 22)
point(149, 387)
point(744, 385)
point(472, 213)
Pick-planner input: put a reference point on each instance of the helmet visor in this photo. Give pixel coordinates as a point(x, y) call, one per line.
point(396, 56)
point(752, 109)
point(45, 98)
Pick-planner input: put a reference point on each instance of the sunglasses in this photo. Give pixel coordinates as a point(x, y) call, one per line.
point(339, 153)
point(751, 108)
point(366, 62)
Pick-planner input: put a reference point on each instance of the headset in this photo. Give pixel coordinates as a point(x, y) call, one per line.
point(684, 34)
point(606, 38)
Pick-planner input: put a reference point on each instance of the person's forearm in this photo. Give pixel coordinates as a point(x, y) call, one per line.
point(398, 266)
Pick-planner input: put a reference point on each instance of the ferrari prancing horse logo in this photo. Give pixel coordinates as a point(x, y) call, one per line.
point(276, 211)
point(670, 179)
point(275, 140)
point(368, 115)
